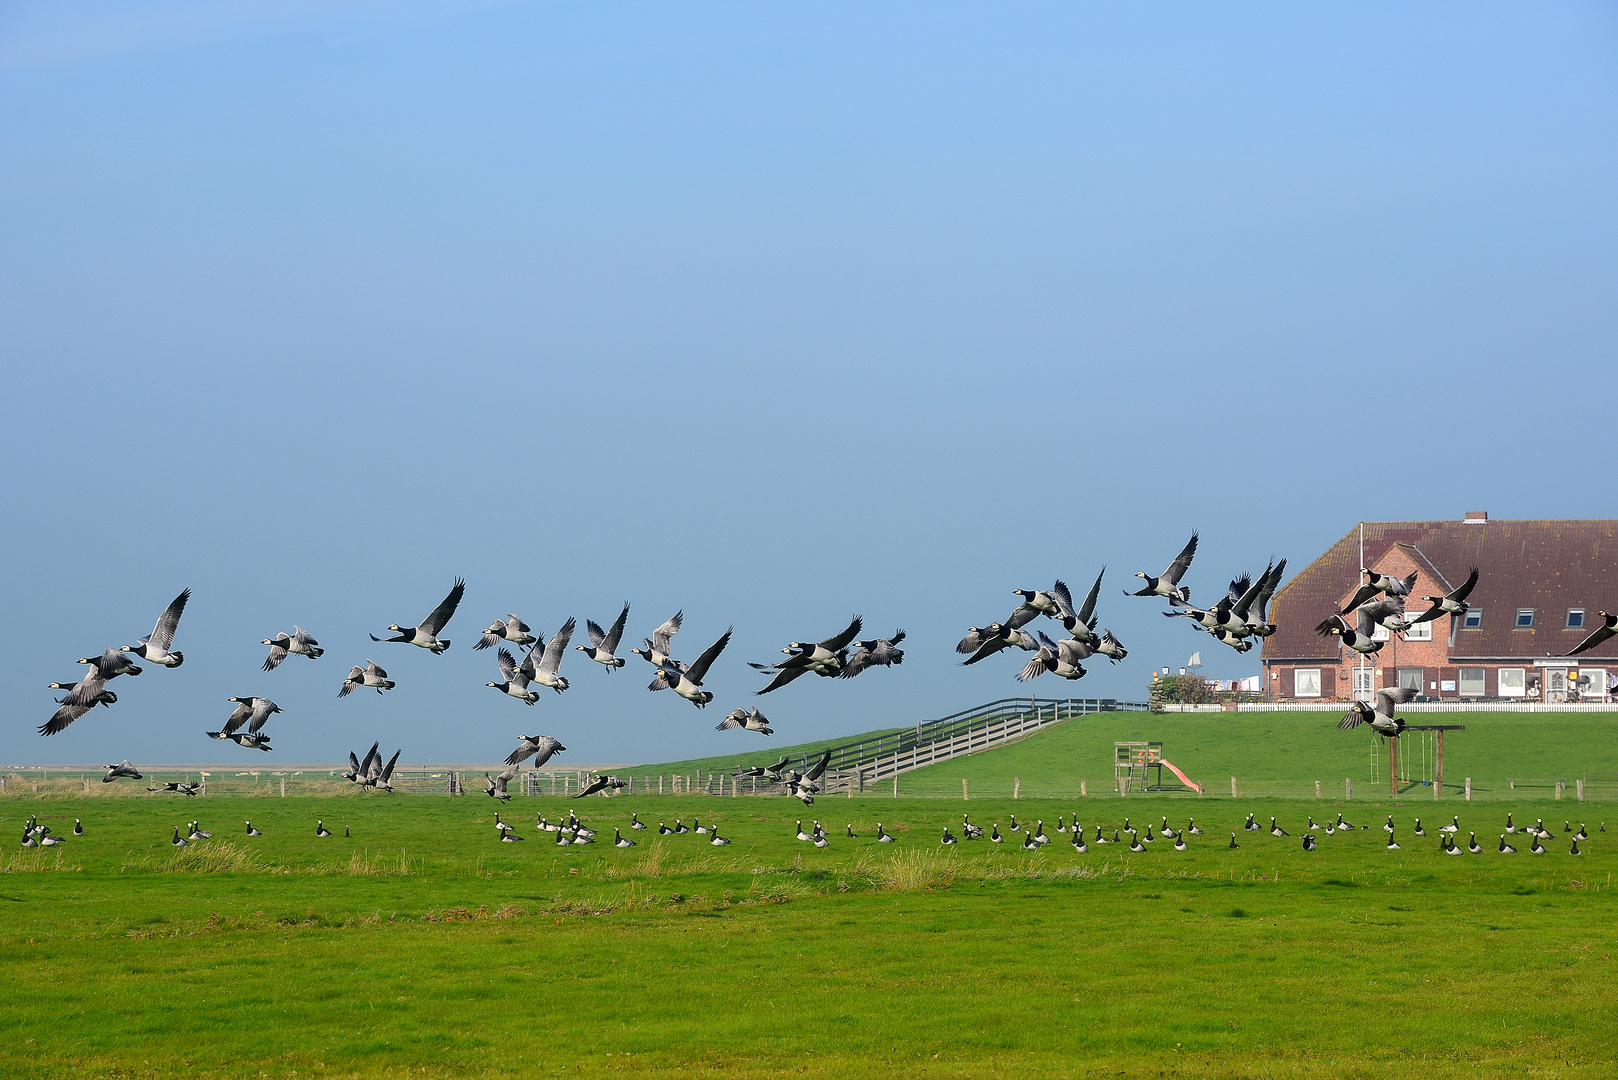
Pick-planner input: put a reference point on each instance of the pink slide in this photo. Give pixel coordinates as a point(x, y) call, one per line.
point(1184, 779)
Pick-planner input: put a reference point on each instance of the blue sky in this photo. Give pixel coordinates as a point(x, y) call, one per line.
point(773, 315)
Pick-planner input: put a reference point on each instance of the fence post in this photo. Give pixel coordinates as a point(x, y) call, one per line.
point(283, 787)
point(1233, 787)
point(964, 795)
point(1317, 789)
point(895, 785)
point(1559, 790)
point(1016, 787)
point(1468, 789)
point(1348, 789)
point(1082, 793)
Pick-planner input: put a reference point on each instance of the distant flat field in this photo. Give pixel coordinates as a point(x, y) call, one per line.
point(421, 945)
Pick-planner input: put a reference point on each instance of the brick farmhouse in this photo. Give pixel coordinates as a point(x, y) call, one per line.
point(1540, 584)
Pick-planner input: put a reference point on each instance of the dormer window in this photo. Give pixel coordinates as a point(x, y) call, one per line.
point(1525, 618)
point(1473, 619)
point(1575, 618)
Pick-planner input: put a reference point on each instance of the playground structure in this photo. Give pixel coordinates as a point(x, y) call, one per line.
point(1134, 762)
point(1415, 757)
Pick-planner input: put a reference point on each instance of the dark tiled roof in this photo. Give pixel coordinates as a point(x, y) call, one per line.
point(1549, 566)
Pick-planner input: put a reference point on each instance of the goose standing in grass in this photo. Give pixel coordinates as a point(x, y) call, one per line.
point(1308, 841)
point(1312, 827)
point(1505, 848)
point(321, 830)
point(1341, 824)
point(720, 841)
point(947, 840)
point(1453, 604)
point(510, 836)
point(52, 841)
point(368, 676)
point(1179, 842)
point(604, 643)
point(1167, 584)
point(1100, 837)
point(1276, 830)
point(426, 634)
point(1393, 845)
point(877, 652)
point(252, 831)
point(1166, 830)
point(1039, 836)
point(1510, 828)
point(882, 835)
point(1250, 825)
point(994, 836)
point(1078, 842)
point(1608, 627)
point(747, 720)
point(1149, 838)
point(511, 630)
point(1233, 844)
point(495, 786)
point(1029, 843)
point(1454, 825)
point(1450, 846)
point(540, 747)
point(1015, 826)
point(1135, 845)
point(81, 697)
point(1472, 844)
point(687, 682)
point(681, 828)
point(155, 647)
point(1192, 827)
point(283, 645)
point(969, 830)
point(1574, 850)
point(1535, 847)
point(850, 830)
point(178, 840)
point(78, 827)
point(619, 840)
point(821, 841)
point(1387, 826)
point(664, 830)
point(1582, 834)
point(703, 830)
point(1418, 830)
point(635, 822)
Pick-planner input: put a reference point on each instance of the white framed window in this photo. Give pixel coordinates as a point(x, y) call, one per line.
point(1471, 682)
point(1473, 619)
point(1512, 682)
point(1420, 632)
point(1525, 618)
point(1306, 682)
point(1592, 683)
point(1575, 618)
point(1411, 678)
point(1364, 683)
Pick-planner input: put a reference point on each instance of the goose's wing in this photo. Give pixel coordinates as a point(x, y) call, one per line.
point(971, 643)
point(514, 623)
point(1330, 623)
point(278, 653)
point(1064, 599)
point(840, 641)
point(898, 636)
point(302, 636)
point(1035, 667)
point(372, 669)
point(524, 748)
point(364, 768)
point(1466, 586)
point(238, 717)
point(782, 677)
point(616, 634)
point(1022, 616)
point(491, 636)
point(262, 708)
point(1072, 650)
point(85, 691)
point(445, 611)
point(353, 763)
point(1268, 589)
point(1391, 698)
point(857, 663)
point(508, 776)
point(1407, 583)
point(63, 717)
point(1596, 637)
point(819, 767)
point(1361, 595)
point(1182, 561)
point(356, 677)
point(163, 632)
point(1364, 624)
point(1383, 610)
point(552, 660)
point(1240, 585)
point(548, 747)
point(1025, 641)
point(661, 636)
point(1244, 601)
point(595, 634)
point(735, 720)
point(387, 770)
point(508, 664)
point(1087, 609)
point(989, 647)
point(699, 669)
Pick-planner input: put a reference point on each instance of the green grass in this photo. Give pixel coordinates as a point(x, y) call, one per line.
point(758, 750)
point(1284, 753)
point(422, 945)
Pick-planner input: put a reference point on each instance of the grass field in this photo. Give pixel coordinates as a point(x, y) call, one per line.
point(421, 945)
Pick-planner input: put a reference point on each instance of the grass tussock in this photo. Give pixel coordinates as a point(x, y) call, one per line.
point(35, 861)
point(364, 864)
point(461, 914)
point(222, 858)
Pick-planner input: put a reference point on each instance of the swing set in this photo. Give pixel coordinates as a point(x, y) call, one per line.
point(1415, 758)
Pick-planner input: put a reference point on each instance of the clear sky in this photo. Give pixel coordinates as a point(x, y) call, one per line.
point(770, 313)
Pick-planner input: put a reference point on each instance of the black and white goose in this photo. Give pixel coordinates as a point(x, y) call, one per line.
point(1450, 846)
point(1360, 637)
point(1029, 843)
point(604, 643)
point(1535, 847)
point(1582, 834)
point(998, 636)
point(1038, 835)
point(969, 830)
point(1396, 588)
point(772, 773)
point(321, 830)
point(876, 652)
point(1380, 716)
point(380, 776)
point(252, 711)
point(546, 667)
point(1179, 842)
point(1388, 614)
point(370, 676)
point(1387, 826)
point(1472, 844)
point(1574, 850)
point(515, 679)
point(1059, 658)
point(1505, 848)
point(358, 770)
point(703, 830)
point(1608, 628)
point(51, 841)
point(425, 635)
point(539, 747)
point(251, 831)
point(720, 841)
point(511, 630)
point(636, 823)
point(1276, 830)
point(687, 682)
point(1148, 838)
point(1393, 845)
point(1258, 622)
point(1418, 830)
point(495, 786)
point(1452, 604)
point(511, 836)
point(664, 830)
point(1167, 584)
point(1054, 603)
point(80, 698)
point(78, 827)
point(297, 643)
point(1078, 842)
point(1251, 825)
point(155, 648)
point(1454, 825)
point(801, 835)
point(110, 664)
point(948, 839)
point(882, 835)
point(747, 720)
point(805, 786)
point(1192, 827)
point(175, 785)
point(1135, 845)
point(620, 840)
point(1110, 646)
point(1081, 624)
point(1510, 828)
point(1166, 830)
point(656, 651)
point(1308, 841)
point(178, 840)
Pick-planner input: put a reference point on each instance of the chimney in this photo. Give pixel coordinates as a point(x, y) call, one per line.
point(1476, 517)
